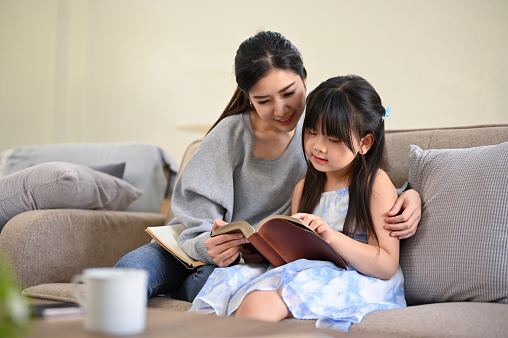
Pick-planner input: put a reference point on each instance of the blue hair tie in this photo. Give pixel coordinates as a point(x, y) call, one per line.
point(387, 113)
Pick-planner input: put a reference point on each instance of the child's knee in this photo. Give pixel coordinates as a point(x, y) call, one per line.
point(263, 305)
point(254, 302)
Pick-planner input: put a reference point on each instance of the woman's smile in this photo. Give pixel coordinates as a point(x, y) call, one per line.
point(286, 120)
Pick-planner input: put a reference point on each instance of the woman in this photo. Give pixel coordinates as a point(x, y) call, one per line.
point(244, 169)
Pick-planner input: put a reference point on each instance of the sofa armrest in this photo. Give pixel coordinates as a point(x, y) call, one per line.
point(50, 246)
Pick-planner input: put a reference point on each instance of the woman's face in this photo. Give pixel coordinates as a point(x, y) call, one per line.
point(279, 99)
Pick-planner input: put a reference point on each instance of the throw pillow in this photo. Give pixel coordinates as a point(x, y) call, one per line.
point(55, 185)
point(113, 169)
point(148, 166)
point(460, 251)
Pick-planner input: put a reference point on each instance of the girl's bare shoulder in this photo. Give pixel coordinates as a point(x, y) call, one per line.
point(383, 184)
point(299, 185)
point(297, 195)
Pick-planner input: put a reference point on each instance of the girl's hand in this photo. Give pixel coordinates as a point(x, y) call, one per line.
point(224, 249)
point(405, 224)
point(317, 224)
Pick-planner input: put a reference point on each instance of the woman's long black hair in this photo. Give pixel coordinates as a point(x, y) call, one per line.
point(254, 59)
point(347, 108)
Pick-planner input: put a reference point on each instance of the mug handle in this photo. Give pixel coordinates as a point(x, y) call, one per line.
point(78, 279)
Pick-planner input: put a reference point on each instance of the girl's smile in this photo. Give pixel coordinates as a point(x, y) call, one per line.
point(319, 160)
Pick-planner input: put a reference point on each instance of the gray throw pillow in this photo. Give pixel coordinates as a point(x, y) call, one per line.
point(148, 166)
point(56, 185)
point(460, 251)
point(113, 169)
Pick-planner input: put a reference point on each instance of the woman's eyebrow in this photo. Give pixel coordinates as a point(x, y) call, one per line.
point(280, 91)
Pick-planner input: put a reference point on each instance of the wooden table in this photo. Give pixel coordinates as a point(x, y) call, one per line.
point(167, 323)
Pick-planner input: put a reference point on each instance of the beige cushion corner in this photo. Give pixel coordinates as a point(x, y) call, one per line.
point(63, 292)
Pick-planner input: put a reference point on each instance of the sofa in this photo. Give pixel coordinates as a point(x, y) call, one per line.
point(65, 207)
point(455, 267)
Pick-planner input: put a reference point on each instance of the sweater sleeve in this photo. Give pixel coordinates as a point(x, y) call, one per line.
point(204, 190)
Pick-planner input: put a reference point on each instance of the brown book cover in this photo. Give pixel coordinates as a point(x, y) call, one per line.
point(282, 239)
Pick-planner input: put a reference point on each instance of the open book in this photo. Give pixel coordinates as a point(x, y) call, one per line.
point(167, 236)
point(280, 239)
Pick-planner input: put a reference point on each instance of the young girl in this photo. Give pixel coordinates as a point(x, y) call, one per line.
point(244, 169)
point(345, 197)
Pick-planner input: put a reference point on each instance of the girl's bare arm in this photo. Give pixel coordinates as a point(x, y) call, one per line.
point(377, 261)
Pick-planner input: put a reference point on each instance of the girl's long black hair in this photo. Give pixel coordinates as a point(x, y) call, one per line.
point(347, 108)
point(254, 59)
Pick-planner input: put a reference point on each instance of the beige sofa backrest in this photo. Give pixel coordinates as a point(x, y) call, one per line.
point(398, 141)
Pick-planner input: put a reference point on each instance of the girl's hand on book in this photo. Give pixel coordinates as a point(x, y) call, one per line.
point(224, 249)
point(317, 224)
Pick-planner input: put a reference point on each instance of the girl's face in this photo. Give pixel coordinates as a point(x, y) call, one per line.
point(328, 154)
point(279, 99)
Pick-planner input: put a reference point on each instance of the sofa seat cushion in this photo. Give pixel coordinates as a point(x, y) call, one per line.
point(455, 319)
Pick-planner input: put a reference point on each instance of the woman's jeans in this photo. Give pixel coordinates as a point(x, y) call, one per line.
point(166, 275)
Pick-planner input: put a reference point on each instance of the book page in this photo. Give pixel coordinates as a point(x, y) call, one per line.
point(236, 226)
point(167, 236)
point(296, 221)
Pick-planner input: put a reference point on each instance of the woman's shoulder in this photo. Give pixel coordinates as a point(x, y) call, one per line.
point(227, 133)
point(229, 127)
point(226, 142)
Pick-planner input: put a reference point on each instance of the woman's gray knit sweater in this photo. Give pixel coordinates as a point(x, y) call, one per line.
point(224, 180)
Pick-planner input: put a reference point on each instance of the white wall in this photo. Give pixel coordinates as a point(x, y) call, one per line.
point(142, 70)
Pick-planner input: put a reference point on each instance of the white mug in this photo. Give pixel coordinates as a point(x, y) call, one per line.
point(114, 300)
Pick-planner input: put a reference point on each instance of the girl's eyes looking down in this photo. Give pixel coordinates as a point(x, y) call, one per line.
point(331, 139)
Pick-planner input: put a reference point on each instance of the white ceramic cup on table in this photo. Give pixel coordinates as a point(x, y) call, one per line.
point(114, 300)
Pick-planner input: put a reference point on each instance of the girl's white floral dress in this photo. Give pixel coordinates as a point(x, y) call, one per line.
point(311, 289)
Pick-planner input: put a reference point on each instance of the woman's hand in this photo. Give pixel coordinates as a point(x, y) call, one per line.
point(224, 249)
point(317, 224)
point(404, 225)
